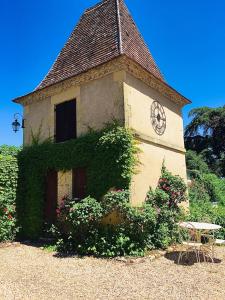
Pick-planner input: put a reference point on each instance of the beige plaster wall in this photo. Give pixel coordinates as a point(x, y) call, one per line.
point(64, 184)
point(101, 102)
point(138, 98)
point(37, 120)
point(98, 102)
point(155, 149)
point(151, 158)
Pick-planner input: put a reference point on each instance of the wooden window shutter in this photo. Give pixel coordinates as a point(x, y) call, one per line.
point(79, 183)
point(65, 125)
point(51, 197)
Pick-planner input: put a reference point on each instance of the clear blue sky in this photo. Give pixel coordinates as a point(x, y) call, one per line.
point(186, 38)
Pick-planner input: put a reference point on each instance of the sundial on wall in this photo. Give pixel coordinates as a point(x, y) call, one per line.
point(158, 118)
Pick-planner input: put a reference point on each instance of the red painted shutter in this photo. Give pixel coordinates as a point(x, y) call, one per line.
point(65, 121)
point(51, 197)
point(79, 183)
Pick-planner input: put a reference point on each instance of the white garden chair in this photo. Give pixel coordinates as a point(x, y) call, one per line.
point(208, 249)
point(191, 244)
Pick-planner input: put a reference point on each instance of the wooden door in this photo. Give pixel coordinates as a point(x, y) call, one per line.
point(51, 197)
point(79, 183)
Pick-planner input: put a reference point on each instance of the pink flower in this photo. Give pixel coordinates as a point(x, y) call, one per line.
point(158, 210)
point(10, 217)
point(64, 198)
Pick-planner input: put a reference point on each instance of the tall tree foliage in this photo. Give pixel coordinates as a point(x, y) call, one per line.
point(206, 135)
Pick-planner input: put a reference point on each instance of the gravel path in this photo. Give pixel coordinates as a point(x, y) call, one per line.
point(30, 273)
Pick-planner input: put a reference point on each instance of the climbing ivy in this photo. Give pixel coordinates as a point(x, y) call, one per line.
point(108, 156)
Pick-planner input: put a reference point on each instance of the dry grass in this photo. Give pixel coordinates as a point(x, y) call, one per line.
point(28, 272)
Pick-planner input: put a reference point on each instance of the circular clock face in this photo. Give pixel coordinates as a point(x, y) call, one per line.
point(158, 118)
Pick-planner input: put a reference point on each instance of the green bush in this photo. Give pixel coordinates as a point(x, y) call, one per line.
point(203, 193)
point(8, 228)
point(81, 214)
point(8, 186)
point(154, 225)
point(80, 218)
point(198, 192)
point(215, 187)
point(82, 231)
point(206, 193)
point(171, 191)
point(206, 212)
point(166, 229)
point(220, 219)
point(116, 200)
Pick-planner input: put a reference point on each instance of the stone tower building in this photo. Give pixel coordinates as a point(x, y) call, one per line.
point(105, 71)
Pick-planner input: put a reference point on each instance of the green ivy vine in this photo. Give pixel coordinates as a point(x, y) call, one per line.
point(109, 157)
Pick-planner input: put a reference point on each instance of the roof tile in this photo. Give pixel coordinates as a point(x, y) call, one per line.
point(104, 32)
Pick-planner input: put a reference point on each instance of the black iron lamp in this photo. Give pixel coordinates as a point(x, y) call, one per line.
point(16, 124)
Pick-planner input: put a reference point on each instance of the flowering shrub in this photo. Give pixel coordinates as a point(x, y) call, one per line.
point(174, 187)
point(84, 213)
point(7, 220)
point(171, 191)
point(116, 200)
point(84, 232)
point(151, 226)
point(167, 217)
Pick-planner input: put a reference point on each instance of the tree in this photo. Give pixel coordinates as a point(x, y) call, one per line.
point(196, 164)
point(206, 135)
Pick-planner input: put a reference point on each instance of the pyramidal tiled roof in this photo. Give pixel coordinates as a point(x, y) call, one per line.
point(104, 32)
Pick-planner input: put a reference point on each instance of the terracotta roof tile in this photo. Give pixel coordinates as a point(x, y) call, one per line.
point(104, 32)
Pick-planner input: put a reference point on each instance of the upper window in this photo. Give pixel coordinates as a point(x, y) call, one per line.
point(65, 121)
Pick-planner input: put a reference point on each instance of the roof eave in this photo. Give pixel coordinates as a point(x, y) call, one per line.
point(184, 100)
point(163, 83)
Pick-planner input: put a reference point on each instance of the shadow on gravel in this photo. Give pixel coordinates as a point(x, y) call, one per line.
point(67, 255)
point(190, 260)
point(37, 244)
point(45, 245)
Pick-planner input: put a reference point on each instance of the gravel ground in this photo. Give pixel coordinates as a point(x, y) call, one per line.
point(28, 272)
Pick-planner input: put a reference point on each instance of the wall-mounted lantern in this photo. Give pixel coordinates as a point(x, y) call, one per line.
point(16, 124)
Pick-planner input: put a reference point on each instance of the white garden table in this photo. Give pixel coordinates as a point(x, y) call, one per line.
point(202, 229)
point(200, 226)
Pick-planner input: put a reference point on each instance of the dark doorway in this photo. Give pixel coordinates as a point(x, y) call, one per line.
point(79, 183)
point(51, 197)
